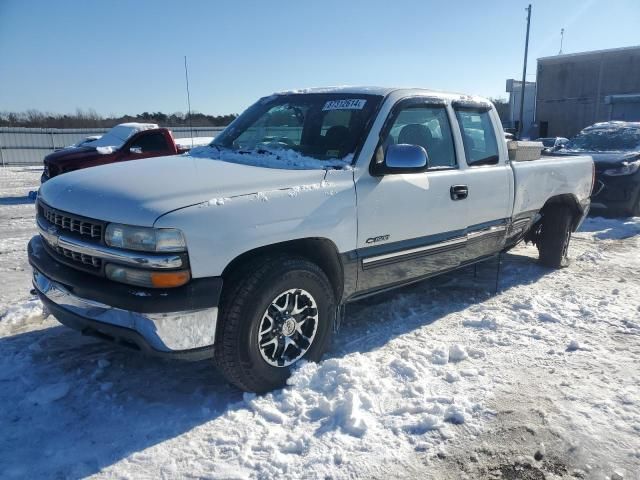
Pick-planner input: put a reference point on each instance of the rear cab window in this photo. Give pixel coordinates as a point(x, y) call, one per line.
point(478, 136)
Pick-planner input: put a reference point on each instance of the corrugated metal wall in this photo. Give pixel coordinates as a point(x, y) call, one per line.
point(28, 146)
point(573, 89)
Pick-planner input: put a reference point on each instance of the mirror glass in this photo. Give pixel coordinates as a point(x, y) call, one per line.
point(135, 149)
point(403, 156)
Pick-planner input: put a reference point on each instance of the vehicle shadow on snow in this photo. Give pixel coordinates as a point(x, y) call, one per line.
point(16, 200)
point(611, 229)
point(80, 405)
point(402, 310)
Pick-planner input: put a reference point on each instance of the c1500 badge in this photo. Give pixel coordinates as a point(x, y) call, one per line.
point(379, 238)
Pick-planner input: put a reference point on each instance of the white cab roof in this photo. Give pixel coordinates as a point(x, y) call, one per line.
point(384, 91)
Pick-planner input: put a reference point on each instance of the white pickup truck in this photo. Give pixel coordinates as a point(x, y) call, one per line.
point(247, 249)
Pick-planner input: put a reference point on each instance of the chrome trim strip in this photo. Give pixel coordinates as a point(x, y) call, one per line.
point(165, 332)
point(126, 257)
point(487, 231)
point(401, 253)
point(521, 221)
point(600, 185)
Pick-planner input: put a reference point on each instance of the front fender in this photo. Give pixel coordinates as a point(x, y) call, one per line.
point(222, 229)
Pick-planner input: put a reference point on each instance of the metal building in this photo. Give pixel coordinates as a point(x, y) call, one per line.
point(514, 88)
point(580, 89)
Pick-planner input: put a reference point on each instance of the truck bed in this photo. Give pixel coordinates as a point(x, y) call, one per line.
point(550, 176)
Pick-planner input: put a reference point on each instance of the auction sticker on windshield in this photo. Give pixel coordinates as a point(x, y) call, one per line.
point(346, 104)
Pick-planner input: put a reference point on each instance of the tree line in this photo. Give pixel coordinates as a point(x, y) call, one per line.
point(502, 107)
point(91, 119)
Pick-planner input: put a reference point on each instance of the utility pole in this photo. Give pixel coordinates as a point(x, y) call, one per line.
point(561, 40)
point(524, 73)
point(186, 76)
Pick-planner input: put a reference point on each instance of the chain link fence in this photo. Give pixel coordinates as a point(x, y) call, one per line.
point(28, 146)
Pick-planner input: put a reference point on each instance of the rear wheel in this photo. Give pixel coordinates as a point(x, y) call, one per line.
point(553, 245)
point(274, 315)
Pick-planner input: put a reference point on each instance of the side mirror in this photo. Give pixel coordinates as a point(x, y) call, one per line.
point(404, 158)
point(135, 149)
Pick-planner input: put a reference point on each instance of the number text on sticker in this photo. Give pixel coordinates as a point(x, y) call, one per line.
point(347, 104)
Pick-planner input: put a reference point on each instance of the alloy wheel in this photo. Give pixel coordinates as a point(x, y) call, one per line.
point(288, 327)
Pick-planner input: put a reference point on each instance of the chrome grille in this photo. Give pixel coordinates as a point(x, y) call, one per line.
point(79, 257)
point(67, 222)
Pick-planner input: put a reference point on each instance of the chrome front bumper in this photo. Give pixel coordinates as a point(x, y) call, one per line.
point(164, 333)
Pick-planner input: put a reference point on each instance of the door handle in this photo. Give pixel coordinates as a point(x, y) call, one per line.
point(459, 192)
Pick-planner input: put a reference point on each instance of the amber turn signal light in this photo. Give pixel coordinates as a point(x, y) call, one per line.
point(169, 279)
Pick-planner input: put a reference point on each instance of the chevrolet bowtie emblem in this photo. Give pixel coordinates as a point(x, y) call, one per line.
point(51, 236)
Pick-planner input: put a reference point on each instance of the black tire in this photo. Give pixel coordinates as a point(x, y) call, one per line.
point(555, 236)
point(250, 292)
point(635, 210)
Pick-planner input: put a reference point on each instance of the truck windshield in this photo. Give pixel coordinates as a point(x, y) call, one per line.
point(324, 128)
point(606, 140)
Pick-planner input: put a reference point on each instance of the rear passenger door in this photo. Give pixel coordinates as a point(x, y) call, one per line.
point(489, 179)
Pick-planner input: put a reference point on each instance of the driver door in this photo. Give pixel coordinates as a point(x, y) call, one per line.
point(412, 225)
point(146, 144)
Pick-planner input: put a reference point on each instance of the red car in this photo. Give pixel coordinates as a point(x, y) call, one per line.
point(124, 142)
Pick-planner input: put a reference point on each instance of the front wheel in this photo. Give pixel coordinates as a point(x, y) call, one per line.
point(555, 236)
point(277, 313)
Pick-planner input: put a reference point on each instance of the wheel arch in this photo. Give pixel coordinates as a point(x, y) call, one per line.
point(568, 200)
point(321, 251)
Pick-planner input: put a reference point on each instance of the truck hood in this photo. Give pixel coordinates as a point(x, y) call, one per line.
point(139, 192)
point(71, 154)
point(604, 160)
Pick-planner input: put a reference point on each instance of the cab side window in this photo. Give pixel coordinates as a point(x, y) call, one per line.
point(427, 126)
point(478, 136)
point(152, 142)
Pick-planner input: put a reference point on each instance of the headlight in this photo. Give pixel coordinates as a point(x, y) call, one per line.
point(147, 278)
point(144, 239)
point(627, 168)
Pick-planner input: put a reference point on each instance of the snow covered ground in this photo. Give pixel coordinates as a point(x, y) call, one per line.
point(444, 379)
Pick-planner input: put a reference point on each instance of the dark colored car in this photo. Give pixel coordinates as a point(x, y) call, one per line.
point(124, 142)
point(552, 144)
point(615, 148)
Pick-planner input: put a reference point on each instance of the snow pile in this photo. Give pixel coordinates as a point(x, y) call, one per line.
point(271, 158)
point(264, 196)
point(355, 409)
point(106, 150)
point(188, 142)
point(118, 135)
point(611, 228)
point(15, 315)
point(45, 394)
point(218, 201)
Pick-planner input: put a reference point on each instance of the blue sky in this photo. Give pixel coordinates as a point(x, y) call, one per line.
point(127, 57)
